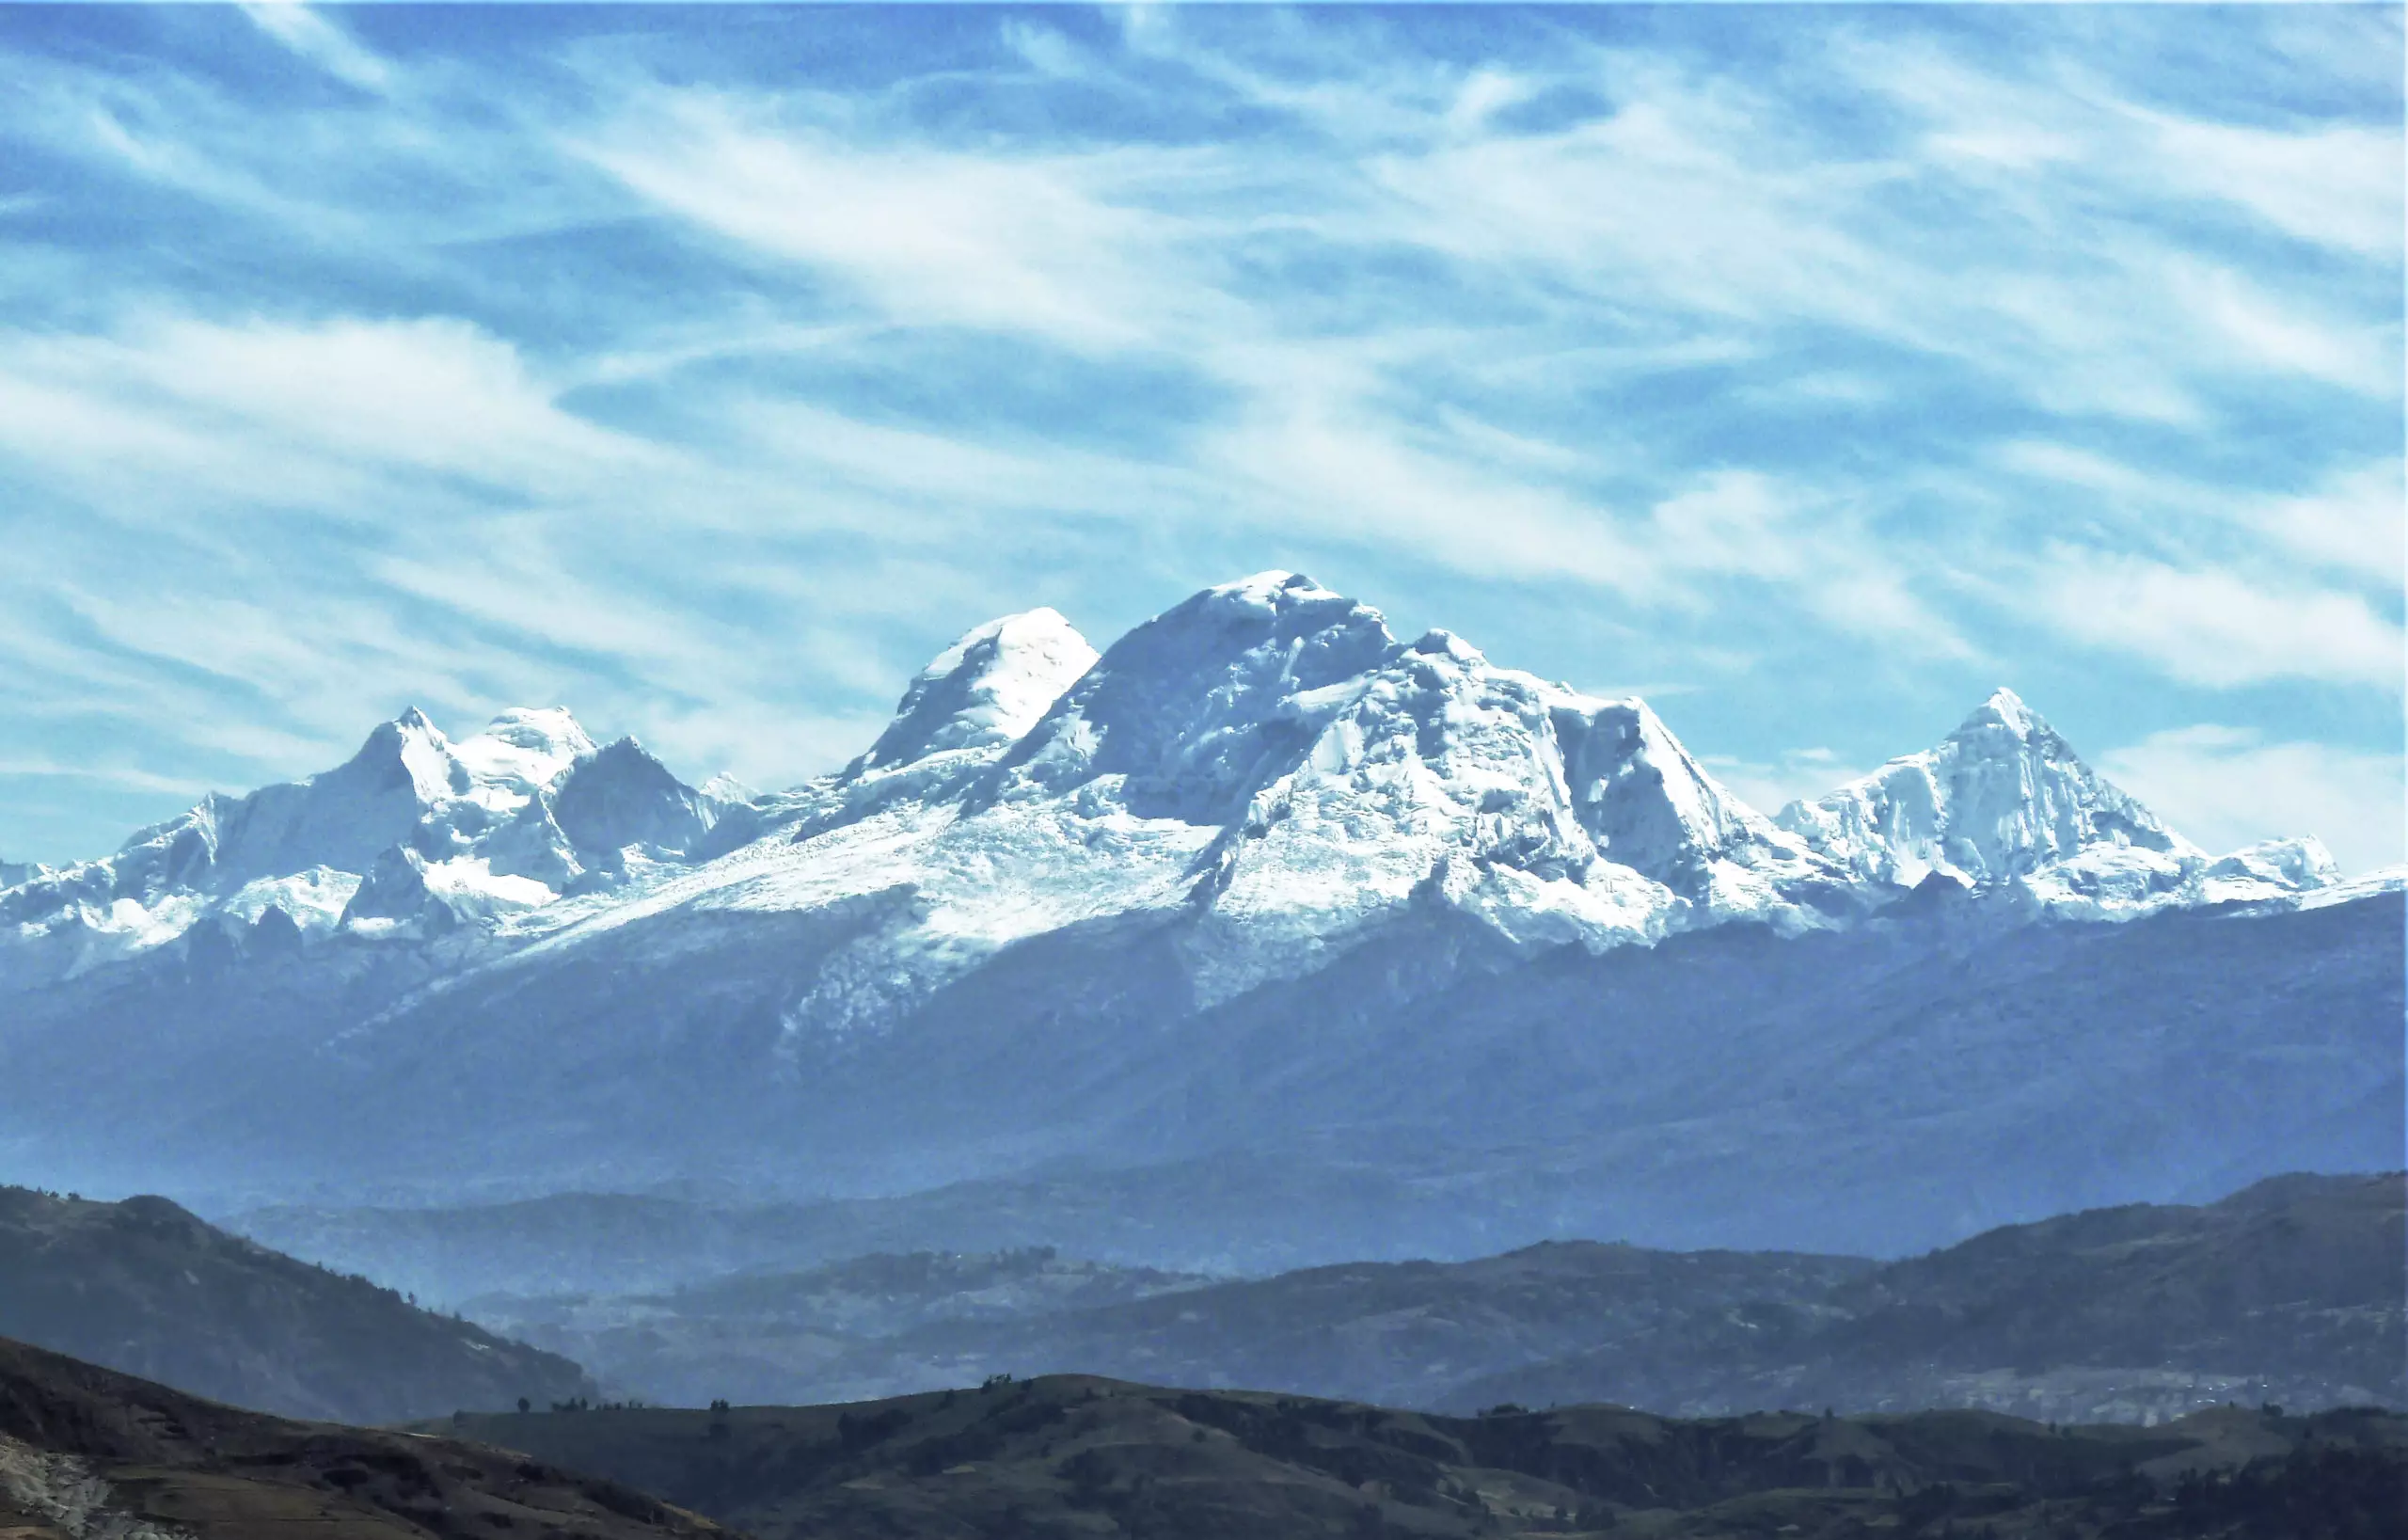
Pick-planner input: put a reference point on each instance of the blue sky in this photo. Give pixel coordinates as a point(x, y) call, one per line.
point(1810, 372)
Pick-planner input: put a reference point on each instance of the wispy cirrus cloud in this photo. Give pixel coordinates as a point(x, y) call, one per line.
point(310, 35)
point(2216, 628)
point(1827, 366)
point(244, 406)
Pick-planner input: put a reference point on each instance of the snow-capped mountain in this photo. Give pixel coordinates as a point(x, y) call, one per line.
point(411, 836)
point(1260, 875)
point(2004, 801)
point(1265, 754)
point(1268, 757)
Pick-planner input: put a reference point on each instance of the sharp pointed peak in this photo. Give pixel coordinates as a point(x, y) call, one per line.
point(627, 749)
point(2004, 708)
point(1042, 627)
point(413, 731)
point(725, 787)
point(411, 740)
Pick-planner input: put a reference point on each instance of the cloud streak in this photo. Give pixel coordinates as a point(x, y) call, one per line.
point(2225, 788)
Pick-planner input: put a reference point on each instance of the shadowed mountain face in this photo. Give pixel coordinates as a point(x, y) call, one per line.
point(89, 1455)
point(146, 1288)
point(1054, 1458)
point(2291, 1292)
point(1879, 1092)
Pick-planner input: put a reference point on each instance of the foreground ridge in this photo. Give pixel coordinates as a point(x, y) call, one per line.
point(85, 1453)
point(1067, 1455)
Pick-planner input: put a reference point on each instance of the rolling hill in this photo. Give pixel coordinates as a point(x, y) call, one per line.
point(145, 1288)
point(2291, 1292)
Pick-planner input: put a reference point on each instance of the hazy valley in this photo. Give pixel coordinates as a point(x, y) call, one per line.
point(2291, 1292)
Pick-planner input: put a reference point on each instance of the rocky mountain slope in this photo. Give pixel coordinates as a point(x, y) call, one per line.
point(1066, 1456)
point(1174, 900)
point(145, 1288)
point(1879, 1091)
point(86, 1453)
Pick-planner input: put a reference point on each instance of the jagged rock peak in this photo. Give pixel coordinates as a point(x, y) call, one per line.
point(409, 747)
point(622, 796)
point(986, 689)
point(2004, 708)
point(2002, 796)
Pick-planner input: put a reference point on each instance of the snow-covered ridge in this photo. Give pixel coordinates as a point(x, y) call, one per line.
point(411, 836)
point(1264, 758)
point(1268, 766)
point(2004, 804)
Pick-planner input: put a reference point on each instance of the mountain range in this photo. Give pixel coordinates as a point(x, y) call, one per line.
point(1265, 751)
point(1260, 877)
point(2291, 1292)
